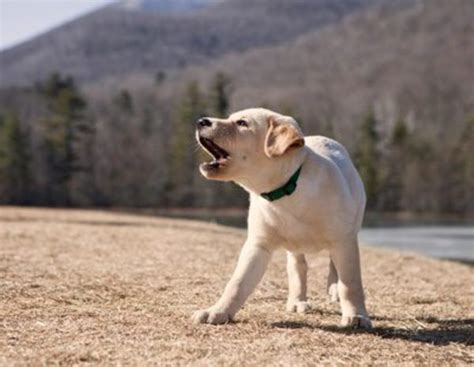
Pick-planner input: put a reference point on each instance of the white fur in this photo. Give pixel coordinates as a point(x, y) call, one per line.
point(324, 212)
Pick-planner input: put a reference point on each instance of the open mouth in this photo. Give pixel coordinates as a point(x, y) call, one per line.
point(220, 155)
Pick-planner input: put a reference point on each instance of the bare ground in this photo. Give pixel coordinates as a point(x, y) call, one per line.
point(90, 287)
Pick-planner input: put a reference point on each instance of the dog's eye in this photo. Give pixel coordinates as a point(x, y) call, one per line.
point(242, 123)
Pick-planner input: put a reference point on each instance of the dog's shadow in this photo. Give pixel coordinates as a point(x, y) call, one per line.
point(447, 331)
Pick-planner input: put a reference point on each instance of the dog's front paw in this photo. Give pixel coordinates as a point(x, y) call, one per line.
point(211, 316)
point(298, 306)
point(356, 322)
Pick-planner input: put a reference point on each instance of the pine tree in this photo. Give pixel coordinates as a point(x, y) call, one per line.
point(461, 172)
point(220, 95)
point(124, 101)
point(64, 130)
point(467, 144)
point(183, 163)
point(15, 178)
point(160, 77)
point(399, 133)
point(367, 158)
point(395, 165)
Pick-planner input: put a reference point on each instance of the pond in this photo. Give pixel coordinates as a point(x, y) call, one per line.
point(449, 238)
point(454, 242)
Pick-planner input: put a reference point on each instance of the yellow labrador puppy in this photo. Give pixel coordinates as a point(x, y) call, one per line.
point(305, 195)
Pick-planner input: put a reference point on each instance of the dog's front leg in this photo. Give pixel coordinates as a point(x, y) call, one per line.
point(253, 261)
point(297, 272)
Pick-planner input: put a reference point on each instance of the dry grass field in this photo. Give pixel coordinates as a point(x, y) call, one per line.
point(91, 287)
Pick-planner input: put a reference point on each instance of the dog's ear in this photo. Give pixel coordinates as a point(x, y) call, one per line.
point(283, 134)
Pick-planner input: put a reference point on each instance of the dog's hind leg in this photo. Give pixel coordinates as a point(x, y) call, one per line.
point(351, 294)
point(297, 273)
point(332, 282)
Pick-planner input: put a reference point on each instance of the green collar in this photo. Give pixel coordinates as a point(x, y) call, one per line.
point(286, 189)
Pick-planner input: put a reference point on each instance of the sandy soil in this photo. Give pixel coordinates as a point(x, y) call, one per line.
point(91, 287)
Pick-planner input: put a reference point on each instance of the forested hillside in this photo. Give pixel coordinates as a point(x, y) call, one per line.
point(394, 84)
point(115, 41)
point(410, 73)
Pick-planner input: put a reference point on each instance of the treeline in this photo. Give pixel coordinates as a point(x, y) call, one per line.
point(405, 171)
point(61, 146)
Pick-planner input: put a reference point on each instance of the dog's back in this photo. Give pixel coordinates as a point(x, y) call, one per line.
point(337, 154)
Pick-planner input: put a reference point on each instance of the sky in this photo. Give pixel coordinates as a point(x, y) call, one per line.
point(21, 20)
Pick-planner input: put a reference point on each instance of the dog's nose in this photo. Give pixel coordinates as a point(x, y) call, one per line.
point(203, 122)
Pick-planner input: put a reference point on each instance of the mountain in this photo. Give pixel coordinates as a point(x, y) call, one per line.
point(114, 41)
point(165, 6)
point(414, 62)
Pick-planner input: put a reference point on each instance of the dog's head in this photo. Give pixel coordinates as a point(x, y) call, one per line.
point(245, 142)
